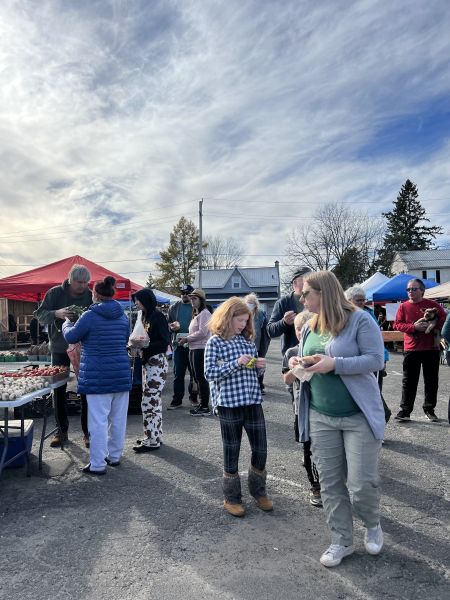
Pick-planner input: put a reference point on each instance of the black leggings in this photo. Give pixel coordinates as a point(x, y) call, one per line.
point(197, 362)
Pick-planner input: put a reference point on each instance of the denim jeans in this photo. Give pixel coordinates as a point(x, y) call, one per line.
point(180, 365)
point(346, 454)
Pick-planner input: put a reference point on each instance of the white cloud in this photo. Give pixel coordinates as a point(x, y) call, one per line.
point(117, 117)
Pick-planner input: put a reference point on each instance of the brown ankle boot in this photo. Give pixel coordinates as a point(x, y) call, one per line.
point(231, 485)
point(237, 510)
point(257, 488)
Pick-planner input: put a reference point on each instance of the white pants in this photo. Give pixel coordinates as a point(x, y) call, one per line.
point(107, 422)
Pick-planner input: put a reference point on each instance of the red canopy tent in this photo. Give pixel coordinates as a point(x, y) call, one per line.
point(31, 286)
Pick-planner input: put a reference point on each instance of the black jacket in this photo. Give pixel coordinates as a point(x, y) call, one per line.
point(155, 323)
point(59, 297)
point(277, 327)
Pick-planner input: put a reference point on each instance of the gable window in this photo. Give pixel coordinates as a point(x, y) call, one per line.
point(236, 282)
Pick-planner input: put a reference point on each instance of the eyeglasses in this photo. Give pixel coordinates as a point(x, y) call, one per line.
point(304, 295)
point(412, 289)
point(359, 299)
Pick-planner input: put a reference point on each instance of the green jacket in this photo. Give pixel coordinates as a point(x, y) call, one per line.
point(59, 297)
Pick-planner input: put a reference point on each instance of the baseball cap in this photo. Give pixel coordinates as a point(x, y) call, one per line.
point(186, 288)
point(300, 272)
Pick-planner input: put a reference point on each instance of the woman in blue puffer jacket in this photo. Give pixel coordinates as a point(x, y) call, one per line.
point(105, 375)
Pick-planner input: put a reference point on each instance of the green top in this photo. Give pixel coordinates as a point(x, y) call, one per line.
point(329, 395)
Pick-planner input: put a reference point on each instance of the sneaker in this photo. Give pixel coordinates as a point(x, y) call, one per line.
point(112, 463)
point(373, 540)
point(402, 416)
point(87, 469)
point(58, 439)
point(199, 412)
point(430, 415)
point(315, 498)
point(173, 405)
point(332, 557)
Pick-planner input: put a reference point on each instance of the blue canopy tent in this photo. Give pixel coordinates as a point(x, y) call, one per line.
point(394, 290)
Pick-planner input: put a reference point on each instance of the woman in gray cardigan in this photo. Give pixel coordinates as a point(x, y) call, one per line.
point(342, 409)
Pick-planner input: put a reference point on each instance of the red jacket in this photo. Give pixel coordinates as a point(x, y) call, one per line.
point(410, 312)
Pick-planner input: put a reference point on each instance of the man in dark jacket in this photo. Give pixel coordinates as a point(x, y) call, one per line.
point(281, 322)
point(52, 312)
point(180, 315)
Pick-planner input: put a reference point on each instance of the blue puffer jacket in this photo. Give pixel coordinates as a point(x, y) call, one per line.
point(103, 331)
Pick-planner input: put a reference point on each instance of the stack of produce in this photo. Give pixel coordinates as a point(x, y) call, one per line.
point(15, 387)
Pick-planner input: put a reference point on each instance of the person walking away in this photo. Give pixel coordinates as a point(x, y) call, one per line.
point(262, 339)
point(289, 378)
point(154, 370)
point(179, 317)
point(341, 409)
point(197, 338)
point(105, 376)
point(420, 350)
point(230, 368)
point(52, 313)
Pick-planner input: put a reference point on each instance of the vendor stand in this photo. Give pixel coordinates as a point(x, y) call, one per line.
point(40, 395)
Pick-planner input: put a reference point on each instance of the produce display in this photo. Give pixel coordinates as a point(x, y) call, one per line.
point(18, 383)
point(13, 387)
point(12, 356)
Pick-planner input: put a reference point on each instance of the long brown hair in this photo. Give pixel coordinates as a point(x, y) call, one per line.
point(222, 317)
point(335, 309)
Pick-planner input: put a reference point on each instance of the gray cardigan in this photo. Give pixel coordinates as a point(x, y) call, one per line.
point(358, 351)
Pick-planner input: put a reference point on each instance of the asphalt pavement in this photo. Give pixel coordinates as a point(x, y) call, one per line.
point(154, 527)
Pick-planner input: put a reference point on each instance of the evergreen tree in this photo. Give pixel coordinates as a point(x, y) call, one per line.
point(180, 260)
point(351, 268)
point(404, 228)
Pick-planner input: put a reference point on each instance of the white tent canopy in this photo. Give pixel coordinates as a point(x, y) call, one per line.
point(374, 281)
point(440, 291)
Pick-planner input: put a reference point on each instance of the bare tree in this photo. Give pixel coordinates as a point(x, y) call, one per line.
point(335, 231)
point(221, 252)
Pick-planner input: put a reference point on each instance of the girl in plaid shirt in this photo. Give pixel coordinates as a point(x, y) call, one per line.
point(231, 365)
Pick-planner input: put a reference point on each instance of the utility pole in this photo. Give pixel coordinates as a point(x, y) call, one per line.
point(200, 241)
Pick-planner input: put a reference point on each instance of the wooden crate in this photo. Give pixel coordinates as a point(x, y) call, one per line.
point(392, 336)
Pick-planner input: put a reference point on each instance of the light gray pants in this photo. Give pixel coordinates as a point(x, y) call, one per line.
point(346, 454)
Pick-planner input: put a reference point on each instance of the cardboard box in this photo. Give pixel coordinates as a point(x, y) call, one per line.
point(15, 444)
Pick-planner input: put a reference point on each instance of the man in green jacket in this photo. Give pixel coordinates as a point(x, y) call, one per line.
point(52, 312)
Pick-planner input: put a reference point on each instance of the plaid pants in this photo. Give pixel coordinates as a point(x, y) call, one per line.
point(232, 422)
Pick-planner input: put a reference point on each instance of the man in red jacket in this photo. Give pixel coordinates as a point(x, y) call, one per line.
point(420, 351)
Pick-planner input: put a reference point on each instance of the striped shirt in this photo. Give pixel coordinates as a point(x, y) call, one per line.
point(230, 383)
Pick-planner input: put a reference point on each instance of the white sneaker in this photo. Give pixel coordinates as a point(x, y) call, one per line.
point(334, 554)
point(373, 540)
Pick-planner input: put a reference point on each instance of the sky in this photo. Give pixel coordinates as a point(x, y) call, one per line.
point(118, 116)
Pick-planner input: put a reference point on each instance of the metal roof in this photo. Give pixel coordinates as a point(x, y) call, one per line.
point(255, 277)
point(425, 259)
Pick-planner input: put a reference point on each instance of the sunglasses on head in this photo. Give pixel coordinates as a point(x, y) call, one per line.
point(412, 289)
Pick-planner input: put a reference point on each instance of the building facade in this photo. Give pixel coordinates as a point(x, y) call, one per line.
point(425, 264)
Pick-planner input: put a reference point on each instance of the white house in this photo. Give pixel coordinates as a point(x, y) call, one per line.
point(425, 264)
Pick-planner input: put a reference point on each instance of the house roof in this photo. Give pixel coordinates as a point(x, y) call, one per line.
point(424, 259)
point(255, 277)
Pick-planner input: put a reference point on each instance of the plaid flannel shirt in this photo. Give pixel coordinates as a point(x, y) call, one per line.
point(231, 384)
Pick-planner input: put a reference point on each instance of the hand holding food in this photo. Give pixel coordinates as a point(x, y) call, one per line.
point(322, 364)
point(64, 313)
point(294, 361)
point(260, 363)
point(174, 326)
point(245, 359)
